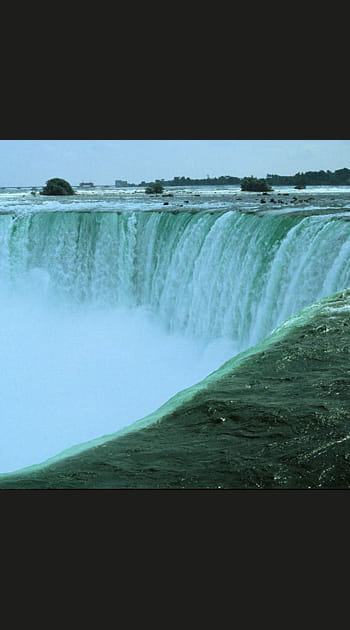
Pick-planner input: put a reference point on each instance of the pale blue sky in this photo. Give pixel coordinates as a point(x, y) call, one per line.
point(33, 162)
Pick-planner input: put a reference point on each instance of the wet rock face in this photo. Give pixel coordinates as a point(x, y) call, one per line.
point(279, 419)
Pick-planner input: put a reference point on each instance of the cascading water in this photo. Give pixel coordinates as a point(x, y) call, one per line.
point(93, 304)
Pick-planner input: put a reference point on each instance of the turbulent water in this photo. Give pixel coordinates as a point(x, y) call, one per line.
point(110, 303)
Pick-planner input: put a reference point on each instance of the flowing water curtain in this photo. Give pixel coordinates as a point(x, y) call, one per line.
point(230, 275)
point(6, 225)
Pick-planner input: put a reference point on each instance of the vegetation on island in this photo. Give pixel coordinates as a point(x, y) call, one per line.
point(57, 186)
point(255, 184)
point(154, 188)
point(340, 177)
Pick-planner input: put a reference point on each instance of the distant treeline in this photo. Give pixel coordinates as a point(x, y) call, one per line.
point(223, 180)
point(340, 177)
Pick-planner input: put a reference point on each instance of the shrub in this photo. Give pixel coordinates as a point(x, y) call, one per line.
point(154, 188)
point(57, 186)
point(255, 184)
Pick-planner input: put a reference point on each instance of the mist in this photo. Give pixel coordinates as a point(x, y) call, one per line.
point(71, 375)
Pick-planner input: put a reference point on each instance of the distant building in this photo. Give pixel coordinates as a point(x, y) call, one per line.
point(86, 185)
point(121, 182)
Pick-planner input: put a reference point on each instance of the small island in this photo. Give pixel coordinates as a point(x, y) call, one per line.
point(255, 184)
point(154, 188)
point(57, 186)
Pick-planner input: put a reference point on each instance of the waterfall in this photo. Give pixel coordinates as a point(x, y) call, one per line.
point(224, 275)
point(106, 315)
